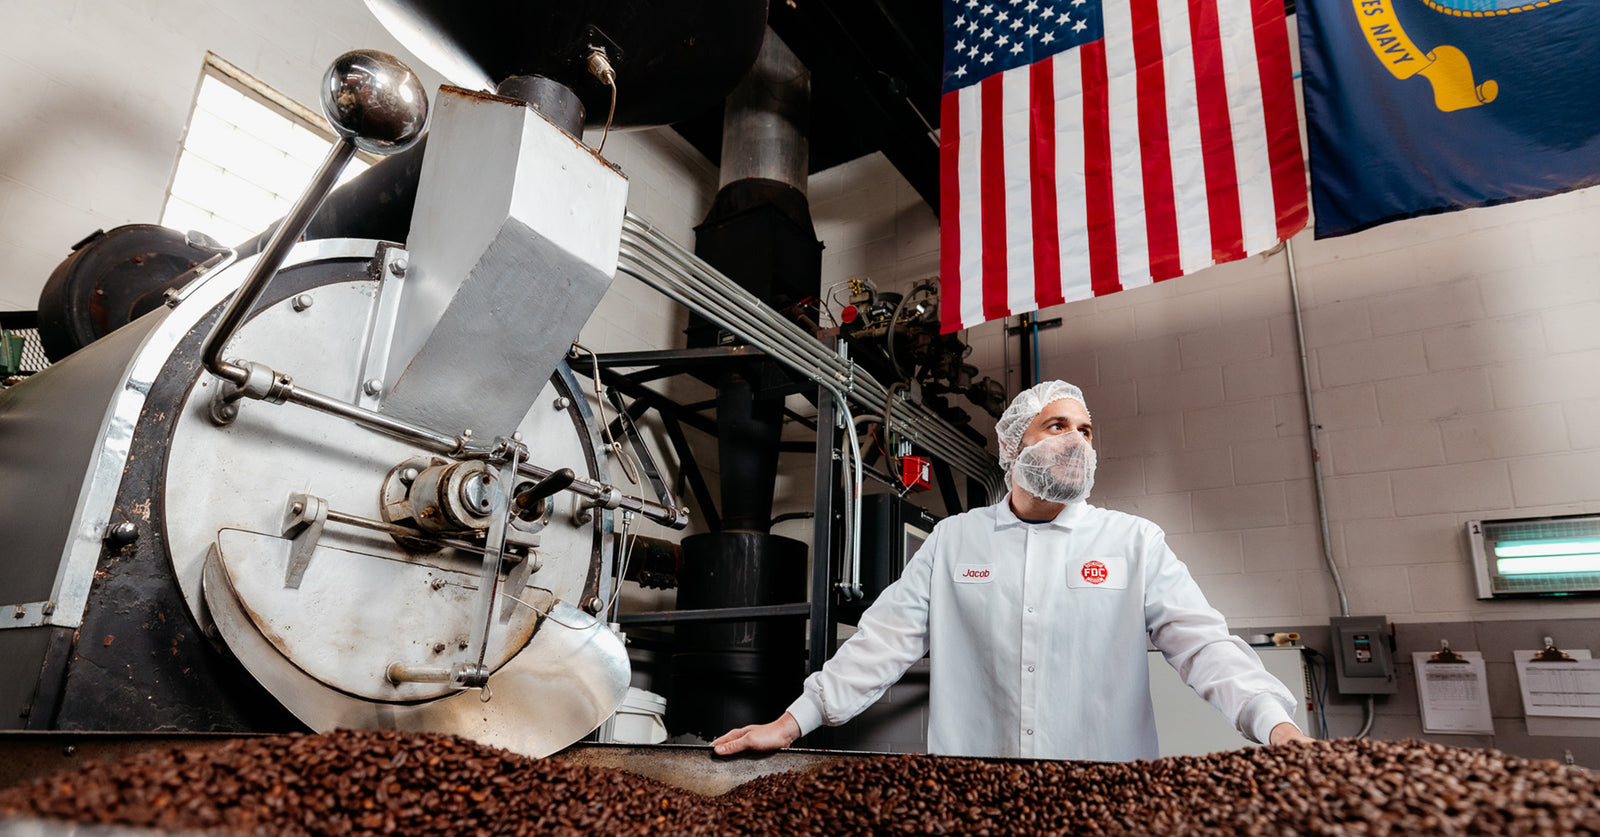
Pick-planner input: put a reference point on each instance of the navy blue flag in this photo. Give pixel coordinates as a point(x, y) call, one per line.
point(1421, 106)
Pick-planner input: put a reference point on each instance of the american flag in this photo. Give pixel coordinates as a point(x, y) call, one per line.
point(1089, 146)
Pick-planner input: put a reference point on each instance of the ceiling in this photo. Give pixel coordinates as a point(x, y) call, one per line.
point(875, 74)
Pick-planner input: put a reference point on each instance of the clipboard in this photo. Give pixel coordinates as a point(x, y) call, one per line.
point(1452, 692)
point(1559, 684)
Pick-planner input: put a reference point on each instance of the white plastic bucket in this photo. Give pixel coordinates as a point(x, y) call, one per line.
point(640, 720)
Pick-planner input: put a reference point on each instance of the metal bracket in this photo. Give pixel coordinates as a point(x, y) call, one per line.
point(474, 674)
point(610, 498)
point(1042, 324)
point(27, 615)
point(647, 462)
point(388, 267)
point(517, 580)
point(304, 521)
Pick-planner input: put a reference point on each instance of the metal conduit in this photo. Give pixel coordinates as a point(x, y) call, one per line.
point(658, 261)
point(713, 296)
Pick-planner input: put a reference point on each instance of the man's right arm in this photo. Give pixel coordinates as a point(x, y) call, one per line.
point(892, 634)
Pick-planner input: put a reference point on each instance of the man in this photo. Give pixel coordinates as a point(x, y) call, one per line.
point(1035, 614)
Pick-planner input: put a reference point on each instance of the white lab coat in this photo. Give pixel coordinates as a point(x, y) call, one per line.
point(1037, 636)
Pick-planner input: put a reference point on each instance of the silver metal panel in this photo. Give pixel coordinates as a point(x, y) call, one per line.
point(240, 476)
point(363, 600)
point(513, 243)
point(1480, 559)
point(380, 326)
point(401, 616)
point(46, 423)
point(52, 433)
point(570, 677)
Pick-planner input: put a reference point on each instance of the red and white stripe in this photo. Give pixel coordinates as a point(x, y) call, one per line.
point(1168, 146)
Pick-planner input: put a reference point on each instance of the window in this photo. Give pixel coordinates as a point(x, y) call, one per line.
point(247, 155)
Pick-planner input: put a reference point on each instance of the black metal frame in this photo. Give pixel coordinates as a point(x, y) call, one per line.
point(704, 363)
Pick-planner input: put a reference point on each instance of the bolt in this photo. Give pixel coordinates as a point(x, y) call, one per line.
point(123, 532)
point(592, 605)
point(461, 643)
point(297, 508)
point(301, 302)
point(516, 435)
point(20, 612)
point(438, 648)
point(562, 403)
point(372, 386)
point(69, 750)
point(437, 584)
point(398, 267)
point(48, 608)
point(408, 476)
point(467, 433)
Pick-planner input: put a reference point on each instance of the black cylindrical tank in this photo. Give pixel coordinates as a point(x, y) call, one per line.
point(111, 279)
point(727, 674)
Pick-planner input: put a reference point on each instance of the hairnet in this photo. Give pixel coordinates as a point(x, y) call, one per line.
point(1014, 422)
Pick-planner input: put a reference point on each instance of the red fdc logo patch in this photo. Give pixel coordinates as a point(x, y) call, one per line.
point(1094, 572)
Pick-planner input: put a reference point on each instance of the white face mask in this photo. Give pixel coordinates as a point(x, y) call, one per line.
point(1058, 469)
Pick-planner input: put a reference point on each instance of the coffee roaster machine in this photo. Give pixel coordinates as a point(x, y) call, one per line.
point(333, 480)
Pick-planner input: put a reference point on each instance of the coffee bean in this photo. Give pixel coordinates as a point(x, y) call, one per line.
point(386, 782)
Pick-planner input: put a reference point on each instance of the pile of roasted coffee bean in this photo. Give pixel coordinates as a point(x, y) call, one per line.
point(388, 782)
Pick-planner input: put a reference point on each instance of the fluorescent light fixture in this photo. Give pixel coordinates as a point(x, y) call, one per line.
point(1537, 548)
point(1587, 562)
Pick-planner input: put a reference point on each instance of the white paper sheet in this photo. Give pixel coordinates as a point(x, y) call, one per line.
point(1454, 696)
point(1563, 690)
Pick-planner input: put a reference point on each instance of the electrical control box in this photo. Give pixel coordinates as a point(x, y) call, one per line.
point(1363, 655)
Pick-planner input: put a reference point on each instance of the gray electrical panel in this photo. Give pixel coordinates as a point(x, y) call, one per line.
point(1363, 655)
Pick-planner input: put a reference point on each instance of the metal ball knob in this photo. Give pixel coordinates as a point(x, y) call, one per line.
point(375, 100)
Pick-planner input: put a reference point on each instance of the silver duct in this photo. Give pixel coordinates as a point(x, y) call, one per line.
point(766, 119)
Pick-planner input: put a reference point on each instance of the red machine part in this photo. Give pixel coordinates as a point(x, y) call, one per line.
point(916, 473)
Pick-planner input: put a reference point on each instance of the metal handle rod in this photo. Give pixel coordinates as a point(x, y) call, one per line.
point(458, 446)
point(288, 232)
point(494, 542)
point(438, 442)
point(676, 518)
point(400, 531)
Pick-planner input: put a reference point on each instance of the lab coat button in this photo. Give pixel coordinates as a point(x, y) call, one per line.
point(1030, 610)
point(1030, 668)
point(1030, 732)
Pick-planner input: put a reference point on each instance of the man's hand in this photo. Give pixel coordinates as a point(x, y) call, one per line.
point(1287, 733)
point(762, 737)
